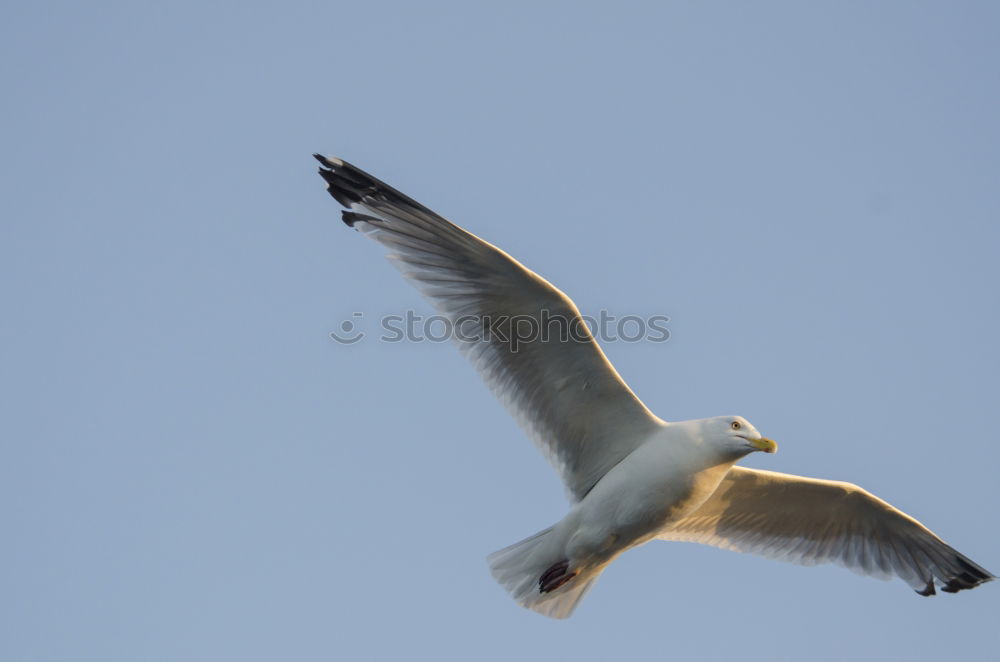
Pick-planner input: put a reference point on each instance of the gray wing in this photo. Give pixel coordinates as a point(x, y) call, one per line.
point(811, 521)
point(524, 336)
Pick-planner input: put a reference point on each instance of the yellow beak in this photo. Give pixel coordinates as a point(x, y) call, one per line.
point(764, 444)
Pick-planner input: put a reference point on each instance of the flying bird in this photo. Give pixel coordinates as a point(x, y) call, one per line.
point(631, 476)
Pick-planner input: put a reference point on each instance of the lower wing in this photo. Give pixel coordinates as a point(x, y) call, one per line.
point(811, 521)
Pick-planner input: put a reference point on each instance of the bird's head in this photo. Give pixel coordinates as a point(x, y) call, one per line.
point(737, 435)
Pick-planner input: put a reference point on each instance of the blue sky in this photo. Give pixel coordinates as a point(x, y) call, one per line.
point(192, 469)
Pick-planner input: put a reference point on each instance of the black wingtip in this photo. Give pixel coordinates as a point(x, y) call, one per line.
point(349, 218)
point(350, 186)
point(325, 161)
point(338, 184)
point(971, 577)
point(968, 576)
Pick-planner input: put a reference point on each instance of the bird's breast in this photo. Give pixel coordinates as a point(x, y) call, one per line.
point(648, 490)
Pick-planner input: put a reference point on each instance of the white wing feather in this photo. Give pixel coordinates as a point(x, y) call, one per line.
point(563, 391)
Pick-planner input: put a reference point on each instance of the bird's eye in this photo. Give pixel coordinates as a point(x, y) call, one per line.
point(736, 425)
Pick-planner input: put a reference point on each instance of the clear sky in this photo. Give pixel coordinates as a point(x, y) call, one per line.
point(193, 470)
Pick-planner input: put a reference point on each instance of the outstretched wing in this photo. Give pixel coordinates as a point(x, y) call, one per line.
point(525, 337)
point(811, 521)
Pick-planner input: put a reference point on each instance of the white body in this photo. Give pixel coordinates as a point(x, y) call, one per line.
point(665, 479)
point(661, 482)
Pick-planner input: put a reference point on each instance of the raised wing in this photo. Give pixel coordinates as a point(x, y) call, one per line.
point(525, 337)
point(811, 521)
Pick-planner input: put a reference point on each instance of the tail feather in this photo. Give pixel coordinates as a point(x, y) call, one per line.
point(520, 569)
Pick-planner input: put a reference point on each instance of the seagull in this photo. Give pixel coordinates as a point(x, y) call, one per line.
point(631, 476)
